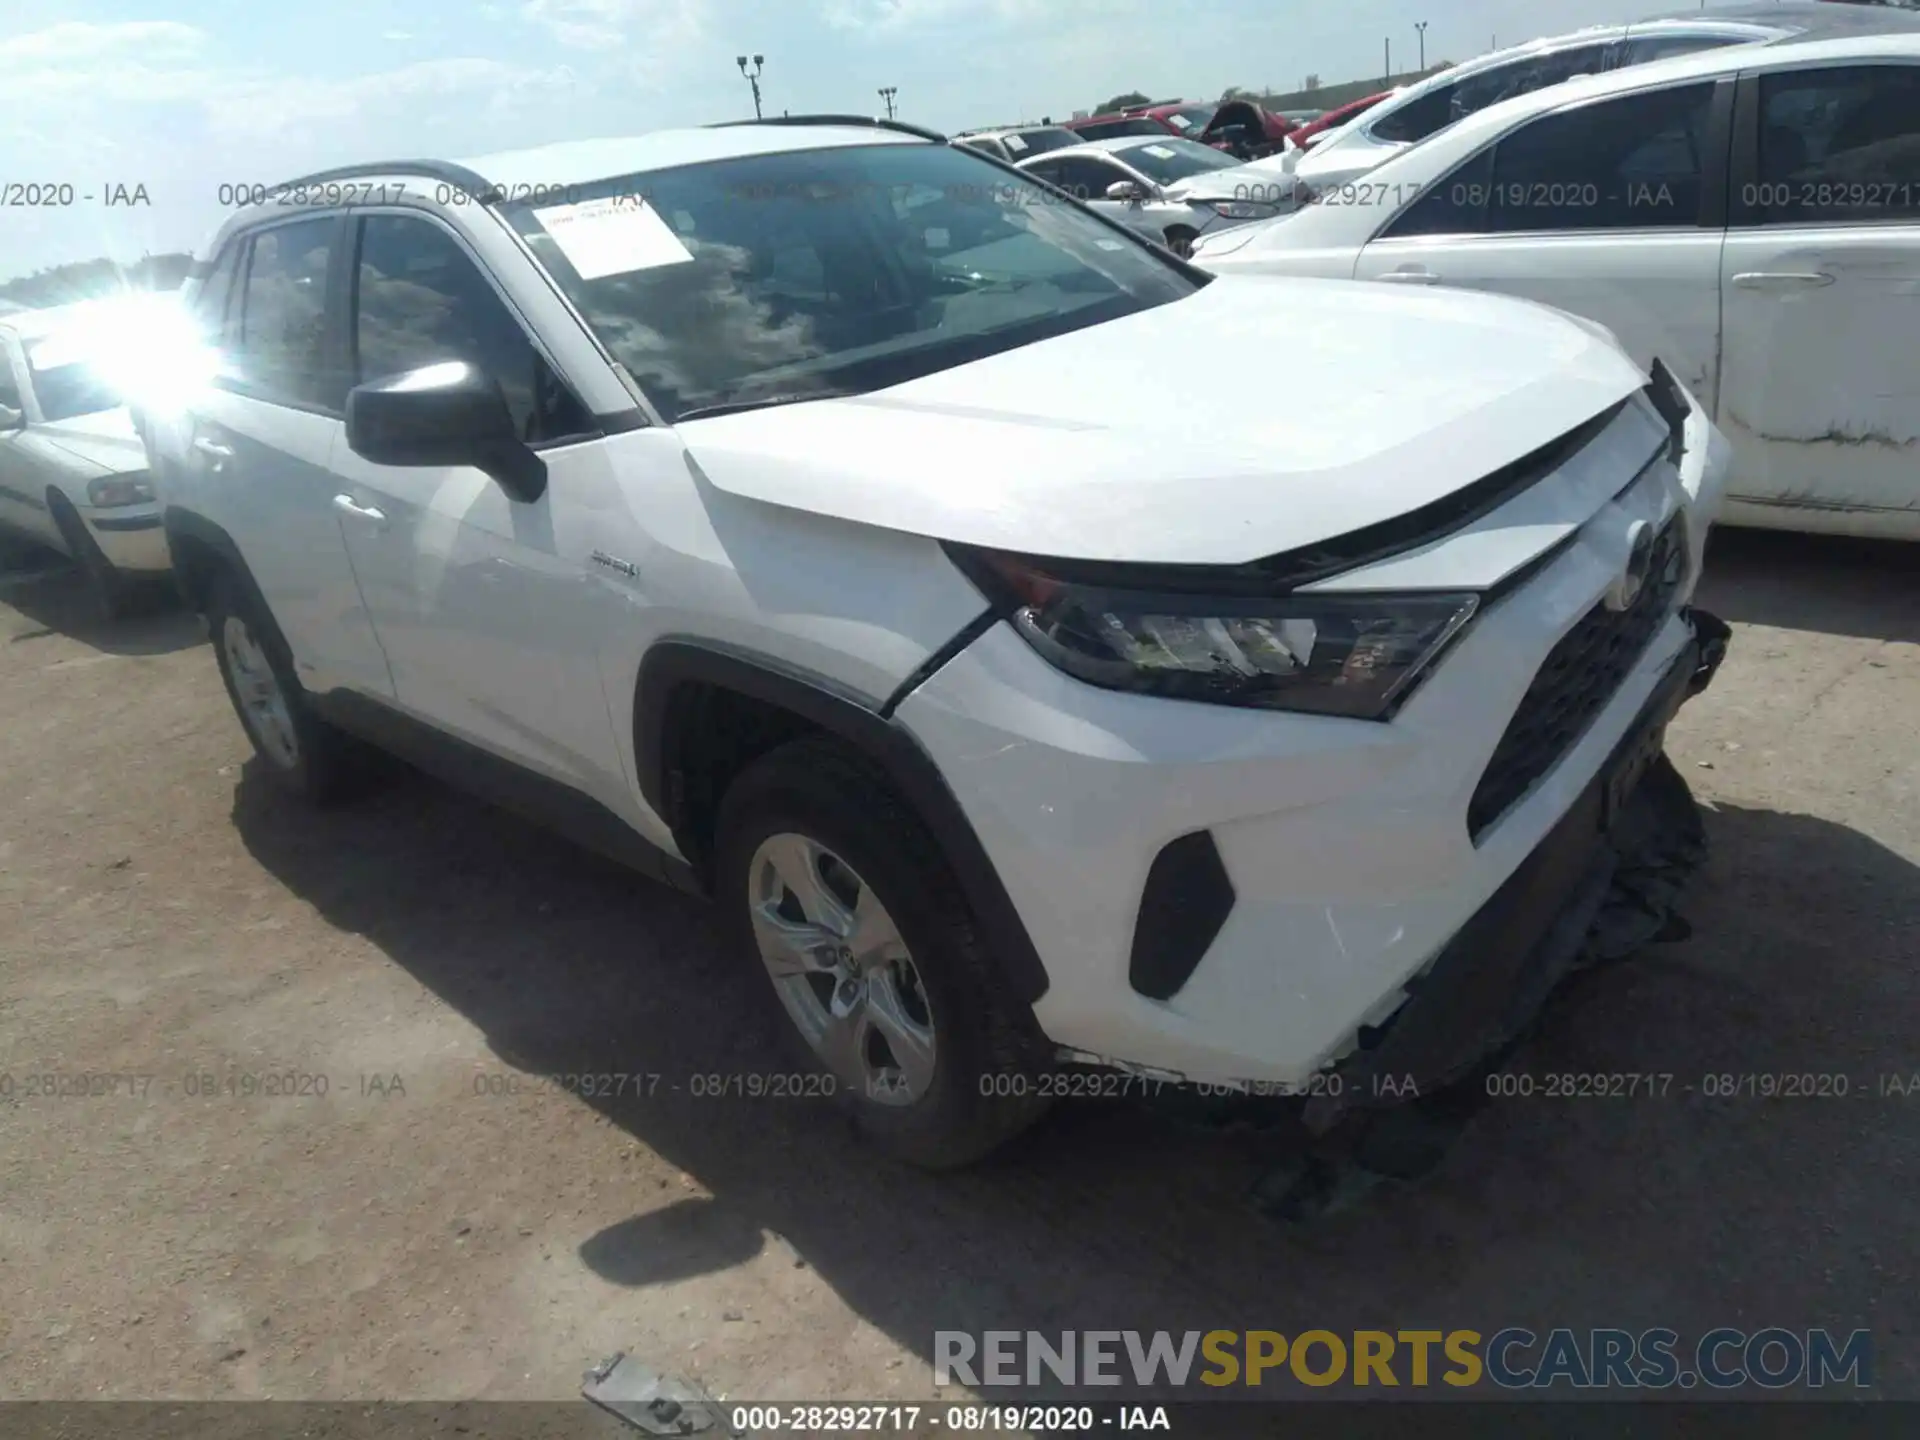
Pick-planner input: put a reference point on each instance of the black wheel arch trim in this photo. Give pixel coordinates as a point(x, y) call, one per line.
point(658, 738)
point(186, 529)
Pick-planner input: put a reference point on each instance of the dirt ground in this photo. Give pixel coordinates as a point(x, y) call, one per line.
point(441, 1223)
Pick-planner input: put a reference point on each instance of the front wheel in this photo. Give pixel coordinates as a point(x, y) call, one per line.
point(301, 751)
point(836, 891)
point(1180, 240)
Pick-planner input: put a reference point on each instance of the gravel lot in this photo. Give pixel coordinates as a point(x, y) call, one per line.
point(412, 1234)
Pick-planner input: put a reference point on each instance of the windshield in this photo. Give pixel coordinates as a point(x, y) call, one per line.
point(1192, 119)
point(70, 390)
point(830, 271)
point(1170, 160)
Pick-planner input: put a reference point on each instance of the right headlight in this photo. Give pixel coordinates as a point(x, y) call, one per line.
point(1358, 655)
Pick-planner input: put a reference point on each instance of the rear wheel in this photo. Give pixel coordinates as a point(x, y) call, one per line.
point(110, 591)
point(302, 752)
point(837, 892)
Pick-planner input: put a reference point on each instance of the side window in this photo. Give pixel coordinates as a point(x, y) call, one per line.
point(1456, 205)
point(1840, 144)
point(278, 349)
point(1649, 48)
point(210, 307)
point(1086, 177)
point(1637, 162)
point(1417, 119)
point(1523, 77)
point(420, 300)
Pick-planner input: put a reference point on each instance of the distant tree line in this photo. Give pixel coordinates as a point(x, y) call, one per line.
point(88, 279)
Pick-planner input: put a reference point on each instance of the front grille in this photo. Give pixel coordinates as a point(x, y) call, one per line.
point(1580, 675)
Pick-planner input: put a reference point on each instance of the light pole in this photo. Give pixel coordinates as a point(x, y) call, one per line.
point(752, 77)
point(1421, 26)
point(1389, 45)
point(887, 92)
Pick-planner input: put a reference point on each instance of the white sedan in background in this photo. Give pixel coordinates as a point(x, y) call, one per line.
point(1169, 190)
point(73, 471)
point(1750, 215)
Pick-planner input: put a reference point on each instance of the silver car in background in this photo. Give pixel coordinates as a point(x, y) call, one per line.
point(73, 471)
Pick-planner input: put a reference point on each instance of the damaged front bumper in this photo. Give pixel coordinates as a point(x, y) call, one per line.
point(1603, 883)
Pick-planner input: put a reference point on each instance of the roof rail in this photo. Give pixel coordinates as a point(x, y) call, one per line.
point(875, 121)
point(476, 185)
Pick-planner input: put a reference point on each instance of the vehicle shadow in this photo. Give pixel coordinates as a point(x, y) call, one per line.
point(1670, 1206)
point(50, 596)
point(1825, 583)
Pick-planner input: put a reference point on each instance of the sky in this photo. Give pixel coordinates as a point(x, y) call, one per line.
point(178, 99)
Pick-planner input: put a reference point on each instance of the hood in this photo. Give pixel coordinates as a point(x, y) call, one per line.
point(1080, 446)
point(1265, 181)
point(105, 439)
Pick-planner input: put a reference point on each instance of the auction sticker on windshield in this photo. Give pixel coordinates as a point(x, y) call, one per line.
point(1160, 152)
point(614, 236)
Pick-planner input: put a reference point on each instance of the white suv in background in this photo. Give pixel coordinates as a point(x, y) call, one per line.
point(1418, 111)
point(785, 507)
point(1750, 216)
point(73, 475)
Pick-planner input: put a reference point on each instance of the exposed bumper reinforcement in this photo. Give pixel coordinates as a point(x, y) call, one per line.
point(1602, 884)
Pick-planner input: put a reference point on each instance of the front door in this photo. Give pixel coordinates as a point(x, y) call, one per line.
point(1600, 210)
point(482, 601)
point(1822, 296)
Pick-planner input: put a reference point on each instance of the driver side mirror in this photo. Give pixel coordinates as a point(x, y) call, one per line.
point(1126, 191)
point(447, 414)
point(11, 419)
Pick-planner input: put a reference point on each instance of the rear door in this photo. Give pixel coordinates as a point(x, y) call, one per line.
point(1613, 209)
point(260, 441)
point(1822, 294)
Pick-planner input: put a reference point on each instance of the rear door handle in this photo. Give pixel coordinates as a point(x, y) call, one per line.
point(216, 454)
point(346, 505)
point(1782, 279)
point(1410, 277)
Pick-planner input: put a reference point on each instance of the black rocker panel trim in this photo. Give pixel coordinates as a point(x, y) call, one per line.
point(546, 802)
point(661, 735)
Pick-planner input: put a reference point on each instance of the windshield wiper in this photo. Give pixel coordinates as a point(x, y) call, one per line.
point(737, 407)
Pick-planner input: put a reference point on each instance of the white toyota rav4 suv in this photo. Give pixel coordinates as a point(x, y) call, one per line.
point(792, 508)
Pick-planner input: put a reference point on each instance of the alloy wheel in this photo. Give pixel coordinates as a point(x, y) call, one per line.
point(841, 969)
point(263, 704)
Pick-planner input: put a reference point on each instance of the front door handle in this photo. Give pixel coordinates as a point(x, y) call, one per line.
point(1410, 277)
point(1782, 279)
point(215, 454)
point(347, 505)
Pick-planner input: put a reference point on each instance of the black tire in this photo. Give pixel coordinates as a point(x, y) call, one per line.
point(327, 765)
point(984, 1045)
point(112, 593)
point(1180, 240)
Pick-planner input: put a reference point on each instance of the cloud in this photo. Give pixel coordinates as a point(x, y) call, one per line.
point(897, 15)
point(601, 24)
point(133, 62)
point(272, 105)
point(75, 42)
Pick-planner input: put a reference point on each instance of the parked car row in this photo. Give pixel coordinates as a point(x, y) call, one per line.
point(1750, 215)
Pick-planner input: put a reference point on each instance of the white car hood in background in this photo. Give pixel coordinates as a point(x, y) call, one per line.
point(106, 440)
point(1255, 416)
point(1265, 184)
